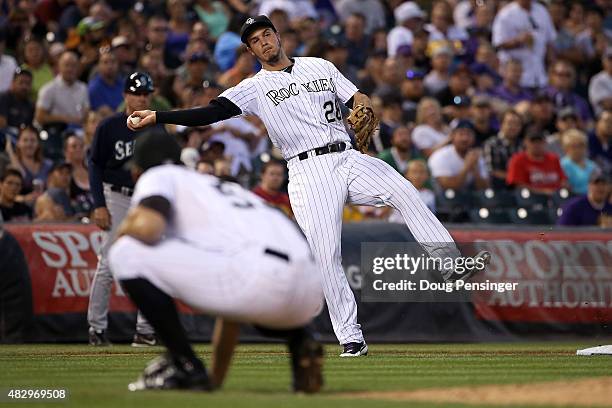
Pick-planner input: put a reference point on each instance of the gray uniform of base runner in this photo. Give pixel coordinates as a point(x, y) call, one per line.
point(226, 253)
point(301, 111)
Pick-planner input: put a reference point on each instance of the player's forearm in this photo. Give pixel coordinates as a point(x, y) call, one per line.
point(144, 224)
point(225, 338)
point(361, 99)
point(218, 110)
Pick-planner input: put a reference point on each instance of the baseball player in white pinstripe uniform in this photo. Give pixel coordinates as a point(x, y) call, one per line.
point(299, 102)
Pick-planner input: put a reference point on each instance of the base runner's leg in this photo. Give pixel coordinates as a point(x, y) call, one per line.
point(317, 193)
point(374, 182)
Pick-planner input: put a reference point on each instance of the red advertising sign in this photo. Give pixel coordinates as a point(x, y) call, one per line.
point(563, 276)
point(62, 260)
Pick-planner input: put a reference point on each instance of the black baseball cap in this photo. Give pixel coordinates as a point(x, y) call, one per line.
point(138, 82)
point(154, 147)
point(60, 165)
point(464, 124)
point(252, 24)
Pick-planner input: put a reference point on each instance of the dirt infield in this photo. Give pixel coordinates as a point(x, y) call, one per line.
point(592, 392)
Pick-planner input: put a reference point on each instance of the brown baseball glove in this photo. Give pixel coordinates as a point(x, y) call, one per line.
point(364, 122)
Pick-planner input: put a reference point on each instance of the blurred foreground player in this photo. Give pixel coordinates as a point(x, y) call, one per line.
point(224, 252)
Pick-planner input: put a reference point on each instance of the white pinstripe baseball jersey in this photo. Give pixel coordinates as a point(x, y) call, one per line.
point(294, 105)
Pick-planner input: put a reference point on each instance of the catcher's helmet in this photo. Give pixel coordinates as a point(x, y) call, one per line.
point(138, 82)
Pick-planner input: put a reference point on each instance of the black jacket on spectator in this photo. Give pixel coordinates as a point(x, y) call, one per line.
point(17, 112)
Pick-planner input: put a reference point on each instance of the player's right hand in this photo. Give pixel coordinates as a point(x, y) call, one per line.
point(147, 118)
point(101, 217)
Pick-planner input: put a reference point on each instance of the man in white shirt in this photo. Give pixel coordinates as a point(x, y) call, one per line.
point(523, 30)
point(65, 99)
point(600, 87)
point(409, 17)
point(459, 166)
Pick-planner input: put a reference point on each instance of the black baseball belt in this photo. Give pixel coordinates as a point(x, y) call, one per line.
point(318, 151)
point(277, 254)
point(126, 191)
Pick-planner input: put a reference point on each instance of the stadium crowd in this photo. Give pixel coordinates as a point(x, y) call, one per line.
point(497, 111)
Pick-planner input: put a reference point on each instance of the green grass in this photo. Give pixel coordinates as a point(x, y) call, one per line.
point(260, 377)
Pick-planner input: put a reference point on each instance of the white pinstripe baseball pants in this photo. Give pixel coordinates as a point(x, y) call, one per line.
point(318, 189)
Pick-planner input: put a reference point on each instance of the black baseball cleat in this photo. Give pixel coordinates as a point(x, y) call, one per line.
point(144, 340)
point(355, 349)
point(98, 338)
point(307, 365)
point(482, 259)
point(166, 373)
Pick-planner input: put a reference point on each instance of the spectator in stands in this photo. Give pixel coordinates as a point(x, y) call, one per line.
point(16, 108)
point(481, 115)
point(242, 69)
point(35, 61)
point(600, 87)
point(485, 78)
point(336, 51)
point(106, 87)
point(459, 83)
point(541, 115)
point(8, 65)
point(441, 27)
point(27, 157)
point(593, 39)
point(499, 149)
point(55, 204)
point(592, 208)
point(409, 18)
point(195, 74)
point(157, 34)
point(600, 142)
point(523, 30)
point(535, 168)
point(401, 151)
point(272, 180)
point(459, 165)
point(91, 123)
point(127, 55)
point(205, 167)
point(567, 119)
point(576, 165)
point(418, 174)
point(10, 209)
point(213, 14)
point(565, 45)
point(390, 119)
point(430, 134)
point(464, 13)
point(74, 154)
point(179, 28)
point(228, 43)
point(562, 81)
point(357, 41)
point(372, 10)
point(412, 90)
point(63, 100)
point(71, 16)
point(437, 79)
point(510, 90)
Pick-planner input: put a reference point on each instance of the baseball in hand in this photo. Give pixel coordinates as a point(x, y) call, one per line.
point(135, 120)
